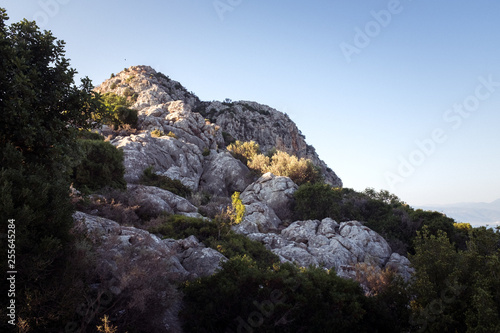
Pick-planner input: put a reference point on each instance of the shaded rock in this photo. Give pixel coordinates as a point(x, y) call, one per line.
point(258, 218)
point(223, 174)
point(274, 191)
point(375, 246)
point(161, 200)
point(185, 258)
point(296, 254)
point(202, 261)
point(300, 231)
point(400, 265)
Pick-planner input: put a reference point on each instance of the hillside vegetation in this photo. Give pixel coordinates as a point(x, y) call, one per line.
point(120, 227)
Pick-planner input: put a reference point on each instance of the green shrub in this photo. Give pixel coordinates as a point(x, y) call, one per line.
point(316, 201)
point(88, 135)
point(113, 86)
point(228, 138)
point(119, 112)
point(172, 135)
point(173, 185)
point(102, 166)
point(206, 151)
point(128, 92)
point(242, 297)
point(207, 231)
point(130, 78)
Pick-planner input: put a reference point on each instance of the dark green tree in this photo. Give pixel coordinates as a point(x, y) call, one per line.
point(41, 110)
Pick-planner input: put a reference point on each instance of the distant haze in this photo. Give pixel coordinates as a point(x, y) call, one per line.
point(479, 213)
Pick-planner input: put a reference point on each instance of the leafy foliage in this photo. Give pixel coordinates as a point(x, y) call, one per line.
point(244, 151)
point(119, 111)
point(243, 297)
point(456, 290)
point(101, 166)
point(173, 185)
point(157, 133)
point(279, 163)
point(42, 111)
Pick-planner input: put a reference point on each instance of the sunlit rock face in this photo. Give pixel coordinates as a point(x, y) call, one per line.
point(164, 104)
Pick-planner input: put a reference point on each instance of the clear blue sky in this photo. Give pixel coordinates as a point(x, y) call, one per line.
point(362, 90)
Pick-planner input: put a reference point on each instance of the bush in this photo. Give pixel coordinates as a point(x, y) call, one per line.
point(207, 231)
point(173, 185)
point(244, 151)
point(299, 170)
point(88, 135)
point(317, 201)
point(157, 133)
point(172, 135)
point(283, 299)
point(119, 112)
point(102, 166)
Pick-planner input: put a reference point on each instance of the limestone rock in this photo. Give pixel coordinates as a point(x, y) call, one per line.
point(331, 245)
point(401, 265)
point(268, 127)
point(274, 191)
point(185, 258)
point(258, 218)
point(375, 246)
point(168, 156)
point(223, 174)
point(160, 200)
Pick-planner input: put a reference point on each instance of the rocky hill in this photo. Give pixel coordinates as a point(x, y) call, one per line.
point(191, 148)
point(165, 104)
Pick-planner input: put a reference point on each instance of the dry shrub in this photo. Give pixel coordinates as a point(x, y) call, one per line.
point(244, 151)
point(113, 205)
point(141, 281)
point(373, 279)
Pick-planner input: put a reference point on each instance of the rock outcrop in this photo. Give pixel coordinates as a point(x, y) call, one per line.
point(267, 202)
point(331, 245)
point(164, 104)
point(185, 258)
point(268, 127)
point(160, 201)
point(167, 155)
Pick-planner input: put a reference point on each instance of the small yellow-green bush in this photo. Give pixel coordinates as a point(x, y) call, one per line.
point(244, 151)
point(157, 133)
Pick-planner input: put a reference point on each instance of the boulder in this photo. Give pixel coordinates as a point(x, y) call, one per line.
point(258, 218)
point(160, 200)
point(373, 245)
point(274, 191)
point(223, 174)
point(168, 156)
point(184, 258)
point(400, 265)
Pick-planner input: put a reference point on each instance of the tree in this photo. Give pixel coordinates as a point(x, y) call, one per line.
point(41, 112)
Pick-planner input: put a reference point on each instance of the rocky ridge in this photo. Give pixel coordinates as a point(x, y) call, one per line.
point(165, 104)
point(191, 150)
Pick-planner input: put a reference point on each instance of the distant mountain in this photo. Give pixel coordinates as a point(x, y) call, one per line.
point(475, 213)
